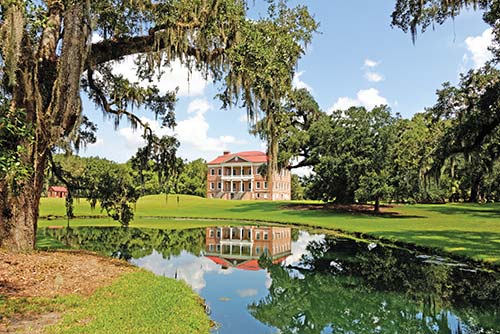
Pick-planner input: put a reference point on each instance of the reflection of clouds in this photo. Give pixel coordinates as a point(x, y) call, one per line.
point(268, 281)
point(186, 266)
point(247, 293)
point(299, 247)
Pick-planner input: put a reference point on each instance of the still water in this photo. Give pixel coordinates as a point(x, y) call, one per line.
point(270, 279)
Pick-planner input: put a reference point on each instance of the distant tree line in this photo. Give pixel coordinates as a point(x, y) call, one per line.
point(116, 187)
point(450, 152)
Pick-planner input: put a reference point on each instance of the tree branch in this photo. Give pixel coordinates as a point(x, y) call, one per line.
point(103, 101)
point(114, 49)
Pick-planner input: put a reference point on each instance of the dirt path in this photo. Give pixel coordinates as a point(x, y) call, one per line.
point(49, 274)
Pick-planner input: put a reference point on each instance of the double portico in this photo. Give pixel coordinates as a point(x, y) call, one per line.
point(236, 176)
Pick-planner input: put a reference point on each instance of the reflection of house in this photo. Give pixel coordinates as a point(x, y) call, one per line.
point(58, 192)
point(242, 246)
point(237, 176)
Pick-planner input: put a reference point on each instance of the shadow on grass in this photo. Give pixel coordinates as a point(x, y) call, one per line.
point(478, 245)
point(315, 210)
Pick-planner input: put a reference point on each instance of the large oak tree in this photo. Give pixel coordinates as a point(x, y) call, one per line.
point(53, 50)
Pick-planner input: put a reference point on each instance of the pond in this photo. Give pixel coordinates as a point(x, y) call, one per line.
point(275, 279)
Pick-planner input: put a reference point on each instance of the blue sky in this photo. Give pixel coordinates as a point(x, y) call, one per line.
point(356, 59)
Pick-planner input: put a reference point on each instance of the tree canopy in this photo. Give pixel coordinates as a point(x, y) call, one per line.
point(53, 50)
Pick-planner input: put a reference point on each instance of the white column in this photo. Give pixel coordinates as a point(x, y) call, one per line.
point(251, 235)
point(231, 171)
point(232, 186)
point(241, 170)
point(230, 233)
point(241, 233)
point(241, 185)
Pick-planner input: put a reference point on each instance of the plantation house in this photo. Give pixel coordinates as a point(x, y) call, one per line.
point(236, 176)
point(242, 246)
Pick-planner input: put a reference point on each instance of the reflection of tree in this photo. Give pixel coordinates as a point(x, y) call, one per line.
point(385, 290)
point(127, 243)
point(398, 270)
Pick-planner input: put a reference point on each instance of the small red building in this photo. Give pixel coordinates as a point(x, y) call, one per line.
point(57, 192)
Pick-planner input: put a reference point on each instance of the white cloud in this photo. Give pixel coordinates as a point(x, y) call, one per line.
point(186, 267)
point(191, 132)
point(133, 138)
point(299, 247)
point(477, 46)
point(344, 103)
point(98, 143)
point(370, 74)
point(176, 75)
point(370, 63)
point(368, 98)
point(247, 293)
point(198, 106)
point(297, 83)
point(373, 77)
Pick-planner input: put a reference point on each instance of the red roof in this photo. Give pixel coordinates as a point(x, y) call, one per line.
point(249, 265)
point(220, 261)
point(250, 156)
point(58, 189)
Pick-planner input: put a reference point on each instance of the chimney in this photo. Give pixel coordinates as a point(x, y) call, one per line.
point(226, 152)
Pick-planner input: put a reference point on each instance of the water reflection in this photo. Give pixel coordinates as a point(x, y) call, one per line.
point(242, 246)
point(274, 279)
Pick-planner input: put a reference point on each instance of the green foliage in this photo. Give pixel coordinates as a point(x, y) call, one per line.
point(128, 243)
point(101, 182)
point(296, 188)
point(351, 149)
point(14, 133)
point(193, 179)
point(304, 300)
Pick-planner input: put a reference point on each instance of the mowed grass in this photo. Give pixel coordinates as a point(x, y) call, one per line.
point(138, 302)
point(470, 230)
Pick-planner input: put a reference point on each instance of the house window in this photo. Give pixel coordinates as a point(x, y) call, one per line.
point(219, 171)
point(250, 186)
point(266, 236)
point(257, 235)
point(211, 185)
point(257, 250)
point(212, 171)
point(249, 234)
point(211, 233)
point(258, 185)
point(211, 248)
point(265, 184)
point(217, 248)
point(218, 233)
point(219, 185)
point(258, 195)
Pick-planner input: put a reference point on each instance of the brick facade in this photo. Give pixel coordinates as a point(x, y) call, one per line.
point(236, 176)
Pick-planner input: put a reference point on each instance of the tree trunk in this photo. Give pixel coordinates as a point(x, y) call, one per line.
point(475, 189)
point(48, 90)
point(19, 213)
point(377, 205)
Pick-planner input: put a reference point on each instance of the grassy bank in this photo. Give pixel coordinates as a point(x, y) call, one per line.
point(137, 302)
point(464, 229)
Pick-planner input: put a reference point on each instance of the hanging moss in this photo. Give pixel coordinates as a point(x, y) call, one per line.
point(11, 35)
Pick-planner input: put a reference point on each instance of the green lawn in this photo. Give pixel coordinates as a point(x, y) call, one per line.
point(138, 302)
point(464, 229)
